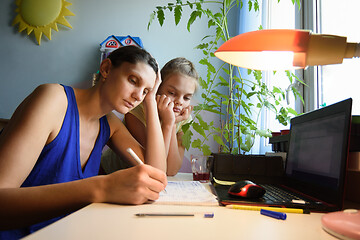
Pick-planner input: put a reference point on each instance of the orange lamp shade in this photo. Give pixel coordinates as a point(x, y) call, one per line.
point(284, 49)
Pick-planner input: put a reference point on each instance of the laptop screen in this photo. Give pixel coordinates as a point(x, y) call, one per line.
point(317, 153)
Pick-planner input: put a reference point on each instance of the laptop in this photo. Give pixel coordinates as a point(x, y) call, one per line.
point(315, 167)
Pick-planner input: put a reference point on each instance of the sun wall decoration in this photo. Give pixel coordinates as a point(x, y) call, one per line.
point(40, 16)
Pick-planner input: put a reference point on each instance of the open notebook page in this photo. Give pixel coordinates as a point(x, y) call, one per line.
point(186, 193)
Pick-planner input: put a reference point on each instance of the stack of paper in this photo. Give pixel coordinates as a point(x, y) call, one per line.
point(186, 193)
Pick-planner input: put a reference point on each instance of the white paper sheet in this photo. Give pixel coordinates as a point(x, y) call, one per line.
point(186, 193)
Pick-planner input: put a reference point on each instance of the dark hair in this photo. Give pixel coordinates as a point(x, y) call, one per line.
point(180, 65)
point(130, 54)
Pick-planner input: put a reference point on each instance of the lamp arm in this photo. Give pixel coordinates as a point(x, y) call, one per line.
point(357, 50)
point(330, 49)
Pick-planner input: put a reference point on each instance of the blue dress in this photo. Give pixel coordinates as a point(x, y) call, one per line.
point(59, 161)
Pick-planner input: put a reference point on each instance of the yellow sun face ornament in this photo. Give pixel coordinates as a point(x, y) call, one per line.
point(40, 16)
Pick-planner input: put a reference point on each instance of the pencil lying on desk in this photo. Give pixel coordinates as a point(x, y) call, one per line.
point(205, 215)
point(165, 215)
point(276, 209)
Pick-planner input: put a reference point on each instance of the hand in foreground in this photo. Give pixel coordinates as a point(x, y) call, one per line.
point(165, 107)
point(135, 185)
point(185, 114)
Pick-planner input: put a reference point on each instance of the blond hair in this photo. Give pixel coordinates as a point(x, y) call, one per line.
point(180, 65)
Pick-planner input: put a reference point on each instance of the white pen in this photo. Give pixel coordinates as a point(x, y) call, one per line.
point(134, 156)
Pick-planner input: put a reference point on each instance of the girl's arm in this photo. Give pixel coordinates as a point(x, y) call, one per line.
point(168, 125)
point(176, 151)
point(173, 140)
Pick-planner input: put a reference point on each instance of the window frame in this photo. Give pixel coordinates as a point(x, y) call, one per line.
point(264, 145)
point(312, 74)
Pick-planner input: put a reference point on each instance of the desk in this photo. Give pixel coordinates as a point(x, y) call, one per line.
point(110, 221)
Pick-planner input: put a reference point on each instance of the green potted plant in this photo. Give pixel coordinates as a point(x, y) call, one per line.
point(240, 107)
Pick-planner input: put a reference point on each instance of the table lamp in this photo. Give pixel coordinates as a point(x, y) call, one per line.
point(285, 49)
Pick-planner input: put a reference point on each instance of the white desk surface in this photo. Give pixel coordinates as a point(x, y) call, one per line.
point(110, 221)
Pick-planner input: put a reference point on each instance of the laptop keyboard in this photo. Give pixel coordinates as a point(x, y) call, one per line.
point(276, 194)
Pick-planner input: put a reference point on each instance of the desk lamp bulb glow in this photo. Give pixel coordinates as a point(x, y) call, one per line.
point(285, 49)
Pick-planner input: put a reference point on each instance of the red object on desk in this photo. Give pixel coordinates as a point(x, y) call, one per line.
point(202, 177)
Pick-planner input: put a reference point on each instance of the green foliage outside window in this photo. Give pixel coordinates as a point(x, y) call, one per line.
point(241, 107)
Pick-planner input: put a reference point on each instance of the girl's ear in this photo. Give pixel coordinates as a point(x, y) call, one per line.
point(105, 67)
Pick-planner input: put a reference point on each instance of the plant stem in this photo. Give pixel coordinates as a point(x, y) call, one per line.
point(239, 102)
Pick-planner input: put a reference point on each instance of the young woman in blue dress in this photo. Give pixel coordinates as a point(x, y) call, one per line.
point(50, 150)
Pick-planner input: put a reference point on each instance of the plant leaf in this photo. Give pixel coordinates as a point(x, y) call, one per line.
point(190, 4)
point(177, 14)
point(192, 18)
point(263, 133)
point(161, 16)
point(250, 5)
point(198, 128)
point(186, 139)
point(218, 139)
point(256, 6)
point(185, 127)
point(292, 111)
point(151, 19)
point(206, 150)
point(196, 144)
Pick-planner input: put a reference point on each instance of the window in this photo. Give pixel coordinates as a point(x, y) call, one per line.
point(338, 82)
point(278, 15)
point(325, 84)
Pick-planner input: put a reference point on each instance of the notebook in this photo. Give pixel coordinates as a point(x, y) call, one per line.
point(186, 193)
point(315, 168)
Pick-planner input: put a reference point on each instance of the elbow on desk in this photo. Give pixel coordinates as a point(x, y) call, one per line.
point(171, 172)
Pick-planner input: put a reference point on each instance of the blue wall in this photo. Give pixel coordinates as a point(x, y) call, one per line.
point(73, 54)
